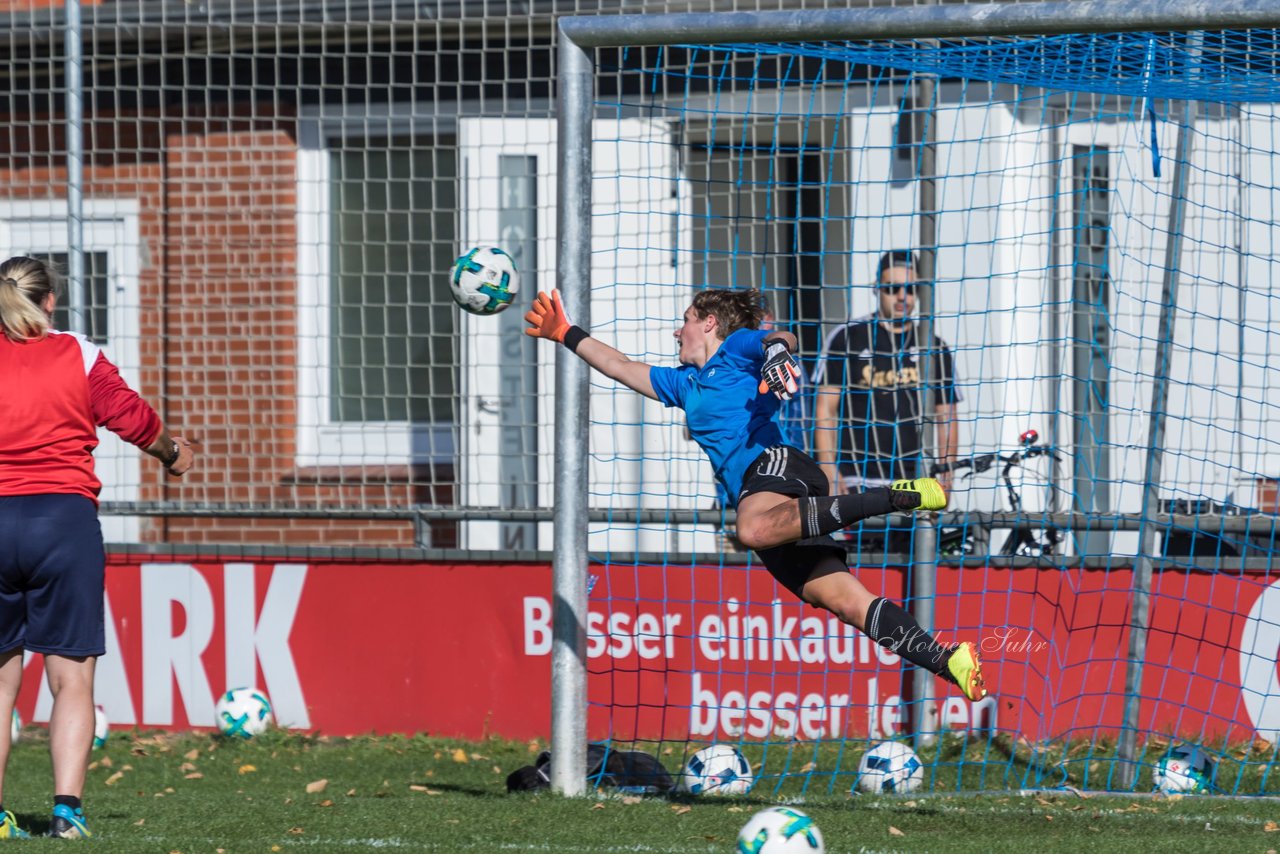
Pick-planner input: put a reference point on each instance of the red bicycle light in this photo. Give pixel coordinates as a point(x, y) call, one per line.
point(1030, 437)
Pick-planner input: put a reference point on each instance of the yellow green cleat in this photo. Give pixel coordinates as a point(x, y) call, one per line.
point(9, 828)
point(923, 493)
point(964, 667)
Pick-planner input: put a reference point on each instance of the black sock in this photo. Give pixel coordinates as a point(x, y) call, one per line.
point(894, 629)
point(66, 801)
point(829, 513)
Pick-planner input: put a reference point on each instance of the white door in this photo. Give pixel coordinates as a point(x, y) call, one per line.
point(640, 457)
point(507, 170)
point(110, 291)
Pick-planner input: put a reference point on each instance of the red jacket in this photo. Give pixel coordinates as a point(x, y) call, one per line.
point(54, 392)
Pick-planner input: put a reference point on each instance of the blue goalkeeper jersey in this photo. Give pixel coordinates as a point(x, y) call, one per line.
point(727, 415)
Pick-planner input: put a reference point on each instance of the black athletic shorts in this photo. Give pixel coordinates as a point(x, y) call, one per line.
point(787, 471)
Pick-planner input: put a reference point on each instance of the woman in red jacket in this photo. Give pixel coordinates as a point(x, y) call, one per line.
point(56, 389)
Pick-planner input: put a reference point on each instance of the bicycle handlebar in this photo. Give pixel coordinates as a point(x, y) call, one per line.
point(982, 462)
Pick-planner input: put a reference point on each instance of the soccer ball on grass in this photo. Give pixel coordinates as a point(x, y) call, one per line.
point(1184, 768)
point(890, 767)
point(243, 712)
point(720, 769)
point(780, 830)
point(484, 280)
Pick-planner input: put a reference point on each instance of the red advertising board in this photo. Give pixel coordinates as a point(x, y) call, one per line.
point(464, 650)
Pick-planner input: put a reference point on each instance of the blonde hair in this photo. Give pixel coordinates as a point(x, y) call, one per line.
point(25, 284)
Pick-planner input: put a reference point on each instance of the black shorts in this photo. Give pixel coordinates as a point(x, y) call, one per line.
point(787, 471)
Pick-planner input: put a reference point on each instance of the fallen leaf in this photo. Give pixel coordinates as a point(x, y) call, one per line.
point(1043, 802)
point(195, 775)
point(893, 831)
point(808, 766)
point(138, 751)
point(631, 800)
point(910, 805)
point(316, 786)
point(296, 831)
point(114, 778)
point(414, 787)
point(106, 762)
point(460, 755)
point(1048, 818)
point(735, 809)
point(93, 766)
point(350, 792)
point(1271, 827)
point(191, 754)
point(681, 809)
point(326, 803)
point(248, 769)
point(597, 806)
point(140, 822)
point(187, 766)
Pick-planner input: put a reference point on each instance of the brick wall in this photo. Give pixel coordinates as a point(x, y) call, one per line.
point(218, 319)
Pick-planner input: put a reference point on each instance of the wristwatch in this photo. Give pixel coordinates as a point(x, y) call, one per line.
point(172, 457)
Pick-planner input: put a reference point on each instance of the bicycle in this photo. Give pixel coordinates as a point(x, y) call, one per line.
point(1024, 540)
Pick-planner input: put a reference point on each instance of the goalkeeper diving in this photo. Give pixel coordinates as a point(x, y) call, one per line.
point(731, 381)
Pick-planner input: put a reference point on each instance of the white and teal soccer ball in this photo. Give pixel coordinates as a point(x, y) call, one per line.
point(15, 728)
point(484, 280)
point(780, 830)
point(890, 767)
point(100, 726)
point(1183, 769)
point(720, 769)
point(243, 712)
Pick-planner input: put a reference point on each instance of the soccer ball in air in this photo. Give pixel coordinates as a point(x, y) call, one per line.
point(100, 726)
point(780, 830)
point(720, 769)
point(1184, 768)
point(484, 280)
point(15, 728)
point(243, 712)
point(890, 768)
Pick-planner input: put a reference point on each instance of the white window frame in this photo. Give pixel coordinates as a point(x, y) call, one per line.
point(321, 441)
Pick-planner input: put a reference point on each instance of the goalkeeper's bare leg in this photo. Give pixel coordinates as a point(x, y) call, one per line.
point(789, 534)
point(769, 519)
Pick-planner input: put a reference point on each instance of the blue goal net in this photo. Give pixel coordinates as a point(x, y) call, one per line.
point(1043, 269)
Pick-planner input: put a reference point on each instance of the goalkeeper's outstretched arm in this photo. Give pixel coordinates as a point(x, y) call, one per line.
point(547, 319)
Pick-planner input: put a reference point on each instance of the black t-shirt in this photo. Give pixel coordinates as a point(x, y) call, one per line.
point(878, 373)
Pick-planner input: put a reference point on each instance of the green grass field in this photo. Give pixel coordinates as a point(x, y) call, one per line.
point(196, 793)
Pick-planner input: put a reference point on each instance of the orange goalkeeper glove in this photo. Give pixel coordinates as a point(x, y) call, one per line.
point(780, 372)
point(547, 318)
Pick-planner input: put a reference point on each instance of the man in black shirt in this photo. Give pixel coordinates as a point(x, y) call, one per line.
point(870, 401)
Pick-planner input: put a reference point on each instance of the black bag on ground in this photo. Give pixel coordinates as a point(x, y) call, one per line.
point(629, 770)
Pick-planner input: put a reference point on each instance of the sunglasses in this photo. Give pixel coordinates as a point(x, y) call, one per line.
point(910, 289)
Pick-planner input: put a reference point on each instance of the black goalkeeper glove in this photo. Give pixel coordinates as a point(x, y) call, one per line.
point(779, 372)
